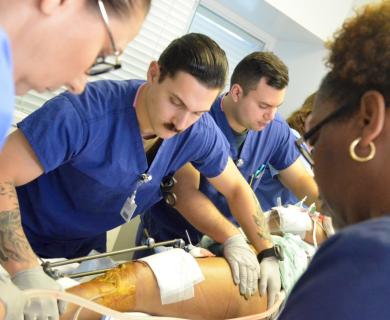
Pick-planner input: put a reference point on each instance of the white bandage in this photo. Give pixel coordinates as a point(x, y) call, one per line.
point(176, 272)
point(294, 220)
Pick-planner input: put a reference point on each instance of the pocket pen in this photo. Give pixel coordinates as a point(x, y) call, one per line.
point(258, 174)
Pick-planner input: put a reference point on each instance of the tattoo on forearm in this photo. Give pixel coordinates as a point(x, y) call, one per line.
point(13, 243)
point(263, 231)
point(7, 190)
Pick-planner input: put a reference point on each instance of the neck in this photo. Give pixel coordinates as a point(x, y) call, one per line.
point(142, 112)
point(16, 32)
point(229, 108)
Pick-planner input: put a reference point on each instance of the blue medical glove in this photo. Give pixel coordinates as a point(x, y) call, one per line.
point(244, 264)
point(12, 299)
point(270, 279)
point(39, 308)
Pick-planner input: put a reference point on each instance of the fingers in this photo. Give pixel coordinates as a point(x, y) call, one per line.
point(252, 282)
point(41, 309)
point(244, 282)
point(235, 270)
point(61, 306)
point(271, 298)
point(262, 285)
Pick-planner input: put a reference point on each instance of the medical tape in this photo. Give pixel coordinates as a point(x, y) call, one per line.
point(176, 272)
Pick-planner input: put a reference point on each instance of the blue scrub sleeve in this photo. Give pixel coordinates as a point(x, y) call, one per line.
point(345, 279)
point(7, 90)
point(286, 153)
point(55, 132)
point(213, 153)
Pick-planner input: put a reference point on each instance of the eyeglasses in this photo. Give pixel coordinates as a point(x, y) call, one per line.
point(101, 64)
point(301, 142)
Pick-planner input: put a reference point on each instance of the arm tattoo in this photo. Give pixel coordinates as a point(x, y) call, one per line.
point(13, 242)
point(7, 190)
point(262, 226)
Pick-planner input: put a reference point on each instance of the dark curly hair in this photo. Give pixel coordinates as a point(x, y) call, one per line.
point(359, 57)
point(297, 119)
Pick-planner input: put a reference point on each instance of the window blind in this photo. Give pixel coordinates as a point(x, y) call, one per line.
point(167, 20)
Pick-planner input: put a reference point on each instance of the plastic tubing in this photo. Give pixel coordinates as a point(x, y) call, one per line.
point(84, 303)
point(71, 298)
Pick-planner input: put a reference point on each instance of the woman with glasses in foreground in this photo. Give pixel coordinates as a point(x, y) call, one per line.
point(350, 132)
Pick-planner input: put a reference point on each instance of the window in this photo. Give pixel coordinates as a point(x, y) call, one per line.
point(236, 42)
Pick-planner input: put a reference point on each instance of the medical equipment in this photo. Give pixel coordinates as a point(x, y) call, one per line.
point(166, 186)
point(133, 287)
point(149, 244)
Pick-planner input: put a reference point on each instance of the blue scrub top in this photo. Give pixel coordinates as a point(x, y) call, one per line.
point(7, 89)
point(348, 277)
point(93, 157)
point(271, 188)
point(273, 145)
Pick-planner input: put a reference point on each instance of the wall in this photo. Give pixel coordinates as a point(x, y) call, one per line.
point(296, 31)
point(316, 16)
point(306, 69)
point(300, 49)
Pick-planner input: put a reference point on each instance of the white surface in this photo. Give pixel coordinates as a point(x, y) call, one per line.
point(317, 16)
point(176, 272)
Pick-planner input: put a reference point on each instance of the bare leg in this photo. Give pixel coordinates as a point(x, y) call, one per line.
point(133, 287)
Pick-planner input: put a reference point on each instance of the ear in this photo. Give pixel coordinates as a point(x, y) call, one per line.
point(236, 92)
point(48, 7)
point(372, 114)
point(153, 73)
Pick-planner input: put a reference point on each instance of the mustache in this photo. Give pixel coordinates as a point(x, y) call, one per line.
point(171, 127)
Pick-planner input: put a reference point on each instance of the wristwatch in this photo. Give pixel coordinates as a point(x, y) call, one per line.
point(275, 251)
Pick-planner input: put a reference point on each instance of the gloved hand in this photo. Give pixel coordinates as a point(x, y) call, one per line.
point(244, 264)
point(39, 308)
point(12, 299)
point(270, 279)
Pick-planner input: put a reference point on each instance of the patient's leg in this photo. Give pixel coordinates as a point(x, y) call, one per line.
point(133, 287)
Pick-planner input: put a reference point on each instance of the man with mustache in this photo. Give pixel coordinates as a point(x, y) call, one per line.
point(258, 137)
point(85, 164)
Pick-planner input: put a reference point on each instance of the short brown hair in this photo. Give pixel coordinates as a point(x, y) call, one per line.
point(257, 65)
point(198, 55)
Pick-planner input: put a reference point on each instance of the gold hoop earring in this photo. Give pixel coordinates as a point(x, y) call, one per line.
point(355, 157)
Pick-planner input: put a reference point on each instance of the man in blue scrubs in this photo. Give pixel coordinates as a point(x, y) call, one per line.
point(85, 164)
point(272, 192)
point(258, 137)
point(43, 45)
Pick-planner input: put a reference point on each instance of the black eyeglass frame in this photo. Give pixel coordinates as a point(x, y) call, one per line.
point(306, 137)
point(103, 65)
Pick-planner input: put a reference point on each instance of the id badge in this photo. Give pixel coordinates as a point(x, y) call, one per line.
point(129, 208)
